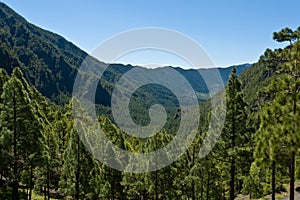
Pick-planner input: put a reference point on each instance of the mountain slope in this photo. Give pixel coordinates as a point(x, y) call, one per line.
point(197, 82)
point(254, 79)
point(50, 63)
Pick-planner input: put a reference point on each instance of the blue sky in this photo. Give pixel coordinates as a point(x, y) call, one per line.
point(231, 32)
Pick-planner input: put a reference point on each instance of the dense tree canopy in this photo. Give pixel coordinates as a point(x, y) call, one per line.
point(257, 153)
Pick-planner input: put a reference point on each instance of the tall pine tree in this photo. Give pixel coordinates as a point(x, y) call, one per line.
point(234, 137)
point(284, 98)
point(21, 128)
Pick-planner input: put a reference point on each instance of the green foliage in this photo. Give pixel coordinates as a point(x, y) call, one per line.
point(80, 173)
point(20, 128)
point(278, 134)
point(51, 63)
point(233, 147)
point(42, 152)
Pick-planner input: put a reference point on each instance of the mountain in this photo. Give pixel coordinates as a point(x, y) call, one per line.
point(197, 82)
point(255, 78)
point(50, 63)
point(47, 60)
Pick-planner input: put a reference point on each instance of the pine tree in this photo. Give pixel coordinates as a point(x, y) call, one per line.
point(113, 177)
point(164, 177)
point(189, 181)
point(3, 79)
point(21, 128)
point(235, 137)
point(80, 175)
point(4, 161)
point(280, 115)
point(266, 145)
point(49, 170)
point(134, 184)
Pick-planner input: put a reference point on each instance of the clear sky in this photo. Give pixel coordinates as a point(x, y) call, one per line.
point(231, 32)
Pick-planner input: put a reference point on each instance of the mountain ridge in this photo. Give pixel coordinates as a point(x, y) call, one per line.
point(51, 63)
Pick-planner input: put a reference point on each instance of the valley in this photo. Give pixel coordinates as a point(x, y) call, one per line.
point(44, 155)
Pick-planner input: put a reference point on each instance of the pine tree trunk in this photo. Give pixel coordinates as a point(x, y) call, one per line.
point(292, 179)
point(30, 182)
point(48, 182)
point(145, 194)
point(273, 179)
point(232, 167)
point(232, 173)
point(15, 195)
point(292, 167)
point(78, 169)
point(45, 193)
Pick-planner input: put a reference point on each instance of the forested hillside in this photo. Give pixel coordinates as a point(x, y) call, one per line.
point(50, 63)
point(42, 155)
